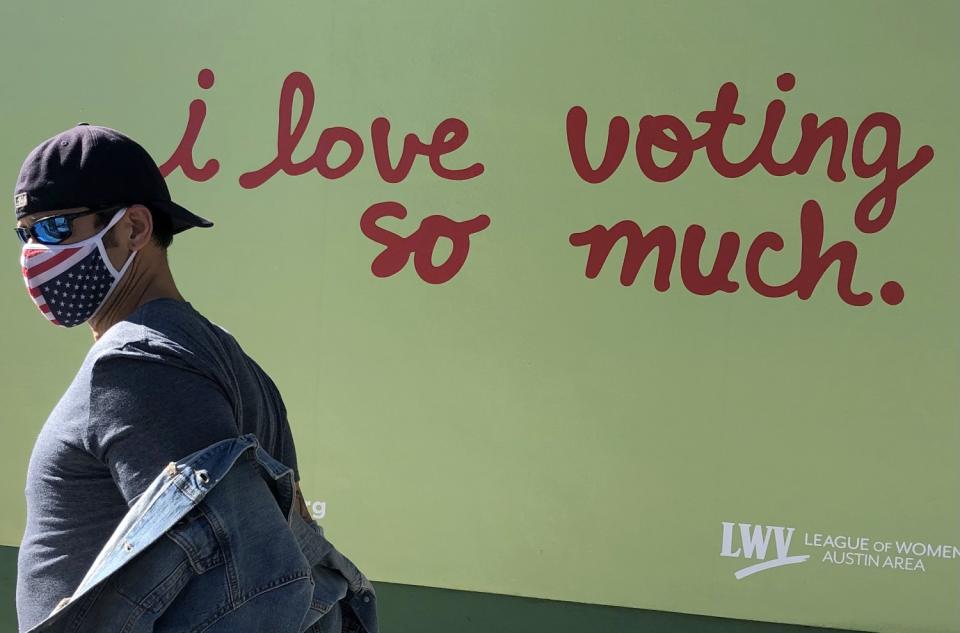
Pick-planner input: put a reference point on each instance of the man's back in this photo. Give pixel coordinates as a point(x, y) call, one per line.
point(157, 386)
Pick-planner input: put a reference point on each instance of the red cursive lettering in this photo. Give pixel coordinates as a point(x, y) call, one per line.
point(421, 243)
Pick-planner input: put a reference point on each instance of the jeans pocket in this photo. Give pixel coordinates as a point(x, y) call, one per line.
point(132, 599)
point(197, 538)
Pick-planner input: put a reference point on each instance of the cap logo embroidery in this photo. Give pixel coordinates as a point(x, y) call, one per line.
point(20, 200)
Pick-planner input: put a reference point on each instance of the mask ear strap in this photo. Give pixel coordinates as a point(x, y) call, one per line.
point(98, 238)
point(126, 265)
point(117, 274)
point(103, 249)
point(116, 218)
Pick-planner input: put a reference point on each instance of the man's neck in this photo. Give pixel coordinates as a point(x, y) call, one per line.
point(139, 285)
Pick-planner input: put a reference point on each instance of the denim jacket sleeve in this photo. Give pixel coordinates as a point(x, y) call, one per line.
point(216, 544)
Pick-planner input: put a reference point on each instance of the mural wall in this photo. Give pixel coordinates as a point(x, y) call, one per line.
point(629, 303)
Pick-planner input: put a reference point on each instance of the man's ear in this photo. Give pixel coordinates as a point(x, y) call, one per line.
point(141, 226)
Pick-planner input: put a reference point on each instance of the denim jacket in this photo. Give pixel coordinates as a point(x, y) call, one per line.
point(216, 544)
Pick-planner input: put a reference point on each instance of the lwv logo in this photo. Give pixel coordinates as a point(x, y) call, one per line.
point(754, 542)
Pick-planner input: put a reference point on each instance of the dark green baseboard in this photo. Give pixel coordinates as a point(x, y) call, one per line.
point(413, 609)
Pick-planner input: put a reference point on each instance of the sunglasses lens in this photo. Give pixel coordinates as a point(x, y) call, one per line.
point(52, 230)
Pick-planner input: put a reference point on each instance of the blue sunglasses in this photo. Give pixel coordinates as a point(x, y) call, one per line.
point(54, 229)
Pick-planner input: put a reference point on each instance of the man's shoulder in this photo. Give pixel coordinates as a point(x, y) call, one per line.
point(161, 330)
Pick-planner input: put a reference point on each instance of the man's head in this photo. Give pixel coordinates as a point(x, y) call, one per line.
point(87, 201)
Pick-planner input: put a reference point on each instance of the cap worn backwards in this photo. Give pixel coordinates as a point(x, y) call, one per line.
point(95, 166)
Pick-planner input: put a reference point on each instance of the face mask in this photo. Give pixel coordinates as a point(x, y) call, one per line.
point(70, 282)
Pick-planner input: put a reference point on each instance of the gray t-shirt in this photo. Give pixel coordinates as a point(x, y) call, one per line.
point(154, 388)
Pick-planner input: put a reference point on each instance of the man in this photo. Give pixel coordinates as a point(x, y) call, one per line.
point(160, 381)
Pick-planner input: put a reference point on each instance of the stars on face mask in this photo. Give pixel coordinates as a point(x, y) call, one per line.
point(75, 295)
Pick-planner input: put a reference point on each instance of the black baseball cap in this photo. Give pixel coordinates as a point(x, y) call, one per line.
point(95, 166)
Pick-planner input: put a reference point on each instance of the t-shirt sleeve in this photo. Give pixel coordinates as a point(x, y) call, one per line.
point(285, 447)
point(147, 413)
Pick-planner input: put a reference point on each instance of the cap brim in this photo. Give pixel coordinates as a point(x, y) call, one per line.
point(182, 218)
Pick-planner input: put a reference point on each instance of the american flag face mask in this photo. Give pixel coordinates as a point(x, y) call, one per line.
point(69, 282)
